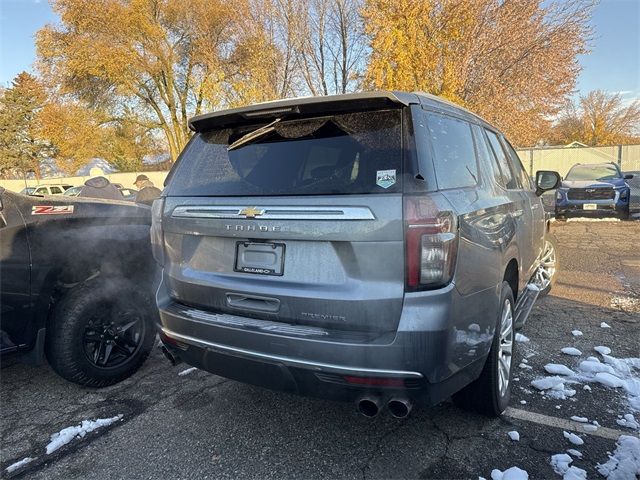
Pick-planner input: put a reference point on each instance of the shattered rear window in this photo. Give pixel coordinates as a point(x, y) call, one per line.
point(337, 154)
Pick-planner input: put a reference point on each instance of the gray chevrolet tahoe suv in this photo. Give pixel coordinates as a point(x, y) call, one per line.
point(375, 247)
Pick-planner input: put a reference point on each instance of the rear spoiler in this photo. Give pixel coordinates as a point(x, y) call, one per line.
point(303, 106)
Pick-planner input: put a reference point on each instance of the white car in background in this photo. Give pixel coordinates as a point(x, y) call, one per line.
point(54, 189)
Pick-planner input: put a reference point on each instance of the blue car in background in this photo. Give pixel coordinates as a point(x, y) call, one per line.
point(594, 190)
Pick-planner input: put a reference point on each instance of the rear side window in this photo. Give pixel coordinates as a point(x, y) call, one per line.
point(518, 168)
point(508, 179)
point(485, 156)
point(454, 156)
point(55, 190)
point(332, 155)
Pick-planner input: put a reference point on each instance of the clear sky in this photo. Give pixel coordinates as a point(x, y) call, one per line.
point(613, 65)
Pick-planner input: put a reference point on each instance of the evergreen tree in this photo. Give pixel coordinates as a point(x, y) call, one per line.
point(21, 150)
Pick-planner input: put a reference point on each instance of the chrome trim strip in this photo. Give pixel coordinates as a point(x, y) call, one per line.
point(236, 321)
point(318, 366)
point(274, 212)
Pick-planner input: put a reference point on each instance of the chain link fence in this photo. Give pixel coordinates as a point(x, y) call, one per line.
point(561, 159)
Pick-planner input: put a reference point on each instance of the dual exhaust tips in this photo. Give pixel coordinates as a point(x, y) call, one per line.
point(370, 406)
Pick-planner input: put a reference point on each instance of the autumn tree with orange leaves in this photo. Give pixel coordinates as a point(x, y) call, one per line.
point(513, 62)
point(598, 118)
point(164, 59)
point(133, 72)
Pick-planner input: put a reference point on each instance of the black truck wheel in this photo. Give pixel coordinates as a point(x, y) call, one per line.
point(101, 332)
point(491, 392)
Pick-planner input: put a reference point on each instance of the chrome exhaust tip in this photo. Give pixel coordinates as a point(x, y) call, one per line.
point(369, 406)
point(400, 407)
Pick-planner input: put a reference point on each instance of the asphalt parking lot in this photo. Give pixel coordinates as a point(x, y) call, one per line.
point(198, 425)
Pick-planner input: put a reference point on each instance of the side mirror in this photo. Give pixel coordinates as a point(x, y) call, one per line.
point(628, 176)
point(546, 180)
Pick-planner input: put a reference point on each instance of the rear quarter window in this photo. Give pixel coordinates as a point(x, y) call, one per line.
point(338, 154)
point(454, 154)
point(508, 179)
point(518, 168)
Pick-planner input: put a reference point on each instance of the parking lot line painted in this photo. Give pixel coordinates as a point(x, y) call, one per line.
point(564, 424)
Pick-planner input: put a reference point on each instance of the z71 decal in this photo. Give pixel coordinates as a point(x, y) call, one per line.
point(51, 209)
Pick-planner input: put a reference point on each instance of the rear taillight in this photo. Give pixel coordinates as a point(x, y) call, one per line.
point(157, 238)
point(431, 242)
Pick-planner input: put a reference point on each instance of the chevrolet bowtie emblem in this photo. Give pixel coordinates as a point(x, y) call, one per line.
point(252, 212)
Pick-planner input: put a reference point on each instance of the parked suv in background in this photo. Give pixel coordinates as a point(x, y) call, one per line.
point(596, 190)
point(372, 247)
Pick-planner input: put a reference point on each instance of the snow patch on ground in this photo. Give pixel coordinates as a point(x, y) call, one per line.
point(625, 462)
point(15, 466)
point(557, 369)
point(602, 350)
point(521, 338)
point(628, 421)
point(575, 418)
point(575, 473)
point(187, 371)
point(612, 372)
point(66, 435)
point(561, 465)
point(513, 473)
point(554, 387)
point(605, 325)
point(574, 452)
point(571, 351)
point(576, 333)
point(513, 435)
point(609, 380)
point(573, 438)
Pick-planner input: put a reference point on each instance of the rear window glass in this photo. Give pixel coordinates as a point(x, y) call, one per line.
point(338, 154)
point(455, 158)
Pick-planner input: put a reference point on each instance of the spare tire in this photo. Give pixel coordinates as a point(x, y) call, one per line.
point(101, 331)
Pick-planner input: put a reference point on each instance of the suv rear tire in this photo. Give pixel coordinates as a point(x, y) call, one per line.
point(109, 316)
point(490, 393)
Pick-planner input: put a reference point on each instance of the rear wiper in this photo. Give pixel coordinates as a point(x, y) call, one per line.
point(254, 135)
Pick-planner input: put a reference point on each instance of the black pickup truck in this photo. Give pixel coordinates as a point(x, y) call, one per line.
point(76, 281)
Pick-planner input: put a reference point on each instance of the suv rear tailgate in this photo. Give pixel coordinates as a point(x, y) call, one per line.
point(342, 258)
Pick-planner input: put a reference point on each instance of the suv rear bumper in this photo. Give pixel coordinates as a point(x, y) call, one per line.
point(422, 360)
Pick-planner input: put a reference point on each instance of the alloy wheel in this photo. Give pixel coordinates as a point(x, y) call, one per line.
point(547, 268)
point(112, 337)
point(505, 348)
